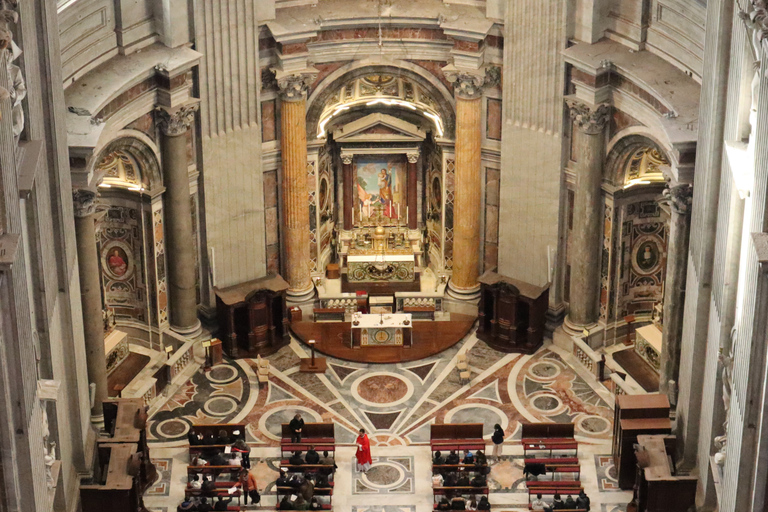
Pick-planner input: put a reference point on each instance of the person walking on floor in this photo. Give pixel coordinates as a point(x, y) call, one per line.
point(363, 454)
point(498, 440)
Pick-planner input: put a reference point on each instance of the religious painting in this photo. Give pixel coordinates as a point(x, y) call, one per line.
point(381, 182)
point(647, 255)
point(117, 262)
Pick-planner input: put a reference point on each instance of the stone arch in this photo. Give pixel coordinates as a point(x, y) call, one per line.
point(145, 156)
point(623, 150)
point(333, 82)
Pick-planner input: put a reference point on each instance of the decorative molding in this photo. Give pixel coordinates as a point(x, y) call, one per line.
point(467, 85)
point(680, 198)
point(413, 157)
point(590, 120)
point(175, 122)
point(294, 86)
point(84, 202)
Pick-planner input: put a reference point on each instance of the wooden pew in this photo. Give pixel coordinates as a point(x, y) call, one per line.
point(320, 435)
point(460, 436)
point(205, 430)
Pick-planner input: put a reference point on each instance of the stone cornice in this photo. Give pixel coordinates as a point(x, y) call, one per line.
point(589, 119)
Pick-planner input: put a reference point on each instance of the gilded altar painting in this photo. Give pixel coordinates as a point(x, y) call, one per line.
point(381, 180)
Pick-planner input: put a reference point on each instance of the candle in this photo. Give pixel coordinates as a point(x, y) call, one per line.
point(407, 215)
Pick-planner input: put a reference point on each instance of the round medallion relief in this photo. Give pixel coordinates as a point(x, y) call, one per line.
point(382, 389)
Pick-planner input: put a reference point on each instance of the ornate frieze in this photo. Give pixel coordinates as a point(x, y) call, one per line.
point(84, 202)
point(590, 120)
point(294, 86)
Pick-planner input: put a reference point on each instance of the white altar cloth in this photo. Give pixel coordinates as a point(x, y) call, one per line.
point(388, 319)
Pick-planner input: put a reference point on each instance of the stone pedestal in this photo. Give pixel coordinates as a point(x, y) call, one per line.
point(293, 143)
point(468, 187)
point(674, 287)
point(90, 297)
point(589, 142)
point(180, 250)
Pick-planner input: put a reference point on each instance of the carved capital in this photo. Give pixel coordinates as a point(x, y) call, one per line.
point(466, 85)
point(346, 159)
point(590, 120)
point(412, 157)
point(84, 202)
point(294, 86)
point(680, 198)
point(174, 122)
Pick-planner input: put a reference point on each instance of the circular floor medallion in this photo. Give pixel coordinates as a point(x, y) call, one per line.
point(384, 475)
point(478, 413)
point(545, 370)
point(381, 389)
point(220, 405)
point(221, 374)
point(546, 403)
point(594, 425)
point(173, 428)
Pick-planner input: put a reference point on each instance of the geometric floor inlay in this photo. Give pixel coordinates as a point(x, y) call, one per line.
point(161, 486)
point(606, 474)
point(387, 475)
point(385, 508)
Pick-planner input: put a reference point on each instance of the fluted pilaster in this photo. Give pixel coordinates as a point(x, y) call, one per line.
point(293, 90)
point(466, 224)
point(589, 140)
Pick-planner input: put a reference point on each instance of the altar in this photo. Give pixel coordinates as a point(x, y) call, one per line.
point(391, 329)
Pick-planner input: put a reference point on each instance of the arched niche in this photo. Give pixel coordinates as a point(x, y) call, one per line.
point(635, 237)
point(130, 239)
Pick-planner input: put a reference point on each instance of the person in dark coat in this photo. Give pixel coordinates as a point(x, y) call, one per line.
point(463, 480)
point(283, 480)
point(222, 504)
point(296, 426)
point(480, 459)
point(453, 458)
point(469, 458)
point(582, 501)
point(478, 481)
point(204, 506)
point(208, 488)
point(312, 457)
point(483, 503)
point(438, 459)
point(450, 480)
point(498, 440)
point(570, 502)
point(223, 437)
point(296, 459)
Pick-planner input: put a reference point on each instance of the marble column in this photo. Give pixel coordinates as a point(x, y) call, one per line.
point(180, 251)
point(90, 297)
point(679, 197)
point(349, 195)
point(468, 187)
point(589, 142)
point(293, 144)
point(413, 174)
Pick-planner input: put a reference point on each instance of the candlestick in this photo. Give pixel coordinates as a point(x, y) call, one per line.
point(312, 347)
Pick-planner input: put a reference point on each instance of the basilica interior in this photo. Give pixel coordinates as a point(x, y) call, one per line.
point(429, 220)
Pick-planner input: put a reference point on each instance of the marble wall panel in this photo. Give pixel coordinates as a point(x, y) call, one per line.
point(270, 189)
point(493, 119)
point(268, 121)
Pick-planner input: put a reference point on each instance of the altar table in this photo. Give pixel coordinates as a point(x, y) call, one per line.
point(374, 268)
point(382, 329)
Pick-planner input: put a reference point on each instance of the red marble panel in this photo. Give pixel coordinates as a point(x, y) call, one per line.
point(493, 119)
point(268, 122)
point(270, 189)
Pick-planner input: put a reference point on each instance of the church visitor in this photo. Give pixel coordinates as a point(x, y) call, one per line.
point(204, 506)
point(538, 503)
point(241, 447)
point(222, 503)
point(453, 458)
point(296, 459)
point(438, 459)
point(312, 457)
point(469, 458)
point(437, 480)
point(498, 439)
point(296, 426)
point(363, 454)
point(582, 501)
point(483, 504)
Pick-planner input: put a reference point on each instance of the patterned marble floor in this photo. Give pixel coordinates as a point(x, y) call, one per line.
point(396, 403)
